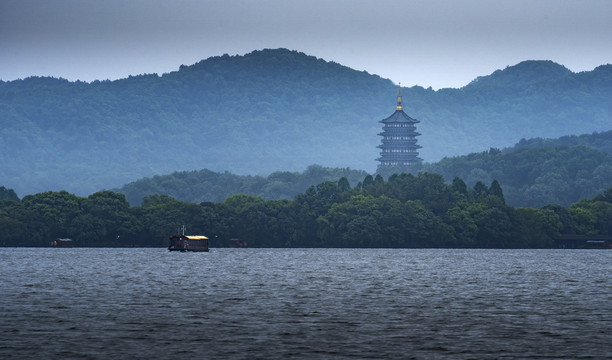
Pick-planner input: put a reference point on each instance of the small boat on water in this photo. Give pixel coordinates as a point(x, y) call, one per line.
point(61, 243)
point(570, 241)
point(184, 242)
point(188, 243)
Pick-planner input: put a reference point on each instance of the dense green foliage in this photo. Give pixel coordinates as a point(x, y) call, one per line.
point(403, 212)
point(7, 194)
point(535, 176)
point(270, 110)
point(206, 185)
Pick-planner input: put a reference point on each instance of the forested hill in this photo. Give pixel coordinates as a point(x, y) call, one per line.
point(601, 141)
point(534, 173)
point(209, 186)
point(271, 110)
point(534, 177)
point(539, 171)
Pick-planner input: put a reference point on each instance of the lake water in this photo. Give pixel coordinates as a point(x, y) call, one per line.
point(305, 303)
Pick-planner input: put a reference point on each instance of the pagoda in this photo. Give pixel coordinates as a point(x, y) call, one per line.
point(399, 145)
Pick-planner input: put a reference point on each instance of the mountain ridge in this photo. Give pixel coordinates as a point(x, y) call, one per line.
point(266, 111)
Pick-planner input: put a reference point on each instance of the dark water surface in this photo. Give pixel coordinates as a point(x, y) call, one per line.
point(305, 303)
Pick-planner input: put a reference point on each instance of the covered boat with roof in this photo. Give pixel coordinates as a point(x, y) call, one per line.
point(184, 242)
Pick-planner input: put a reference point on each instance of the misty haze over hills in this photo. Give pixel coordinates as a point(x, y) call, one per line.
point(271, 110)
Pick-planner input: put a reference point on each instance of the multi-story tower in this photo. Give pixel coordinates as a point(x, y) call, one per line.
point(399, 144)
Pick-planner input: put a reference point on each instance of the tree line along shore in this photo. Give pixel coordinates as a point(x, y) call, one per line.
point(403, 211)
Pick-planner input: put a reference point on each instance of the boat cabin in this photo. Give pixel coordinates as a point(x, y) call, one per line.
point(61, 243)
point(188, 243)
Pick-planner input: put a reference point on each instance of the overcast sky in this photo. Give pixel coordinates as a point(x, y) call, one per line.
point(437, 43)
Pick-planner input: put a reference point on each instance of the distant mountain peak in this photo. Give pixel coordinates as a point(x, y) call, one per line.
point(273, 66)
point(539, 65)
point(603, 71)
point(272, 58)
point(523, 73)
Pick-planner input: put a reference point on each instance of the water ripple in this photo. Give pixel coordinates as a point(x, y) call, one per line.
point(305, 303)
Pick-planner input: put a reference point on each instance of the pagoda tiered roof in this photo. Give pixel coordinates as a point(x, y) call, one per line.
point(399, 116)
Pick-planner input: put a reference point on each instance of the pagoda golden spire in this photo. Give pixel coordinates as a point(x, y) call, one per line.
point(399, 97)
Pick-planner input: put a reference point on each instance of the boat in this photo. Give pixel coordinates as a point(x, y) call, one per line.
point(571, 241)
point(61, 243)
point(182, 242)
